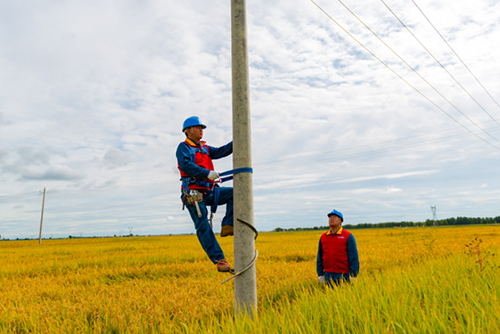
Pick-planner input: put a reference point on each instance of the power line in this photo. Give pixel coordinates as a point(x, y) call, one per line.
point(16, 196)
point(414, 70)
point(363, 154)
point(337, 158)
point(444, 68)
point(456, 54)
point(371, 144)
point(331, 159)
point(399, 76)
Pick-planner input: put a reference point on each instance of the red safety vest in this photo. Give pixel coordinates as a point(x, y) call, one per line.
point(201, 157)
point(335, 252)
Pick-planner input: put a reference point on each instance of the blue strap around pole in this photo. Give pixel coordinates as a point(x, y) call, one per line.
point(234, 171)
point(213, 208)
point(237, 170)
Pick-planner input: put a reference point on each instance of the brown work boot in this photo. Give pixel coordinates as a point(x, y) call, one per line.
point(226, 230)
point(223, 266)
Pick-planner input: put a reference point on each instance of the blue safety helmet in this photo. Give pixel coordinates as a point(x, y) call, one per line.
point(192, 121)
point(336, 213)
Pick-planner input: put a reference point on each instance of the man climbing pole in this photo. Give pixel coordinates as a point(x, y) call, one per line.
point(199, 189)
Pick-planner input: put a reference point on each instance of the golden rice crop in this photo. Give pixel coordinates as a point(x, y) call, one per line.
point(412, 280)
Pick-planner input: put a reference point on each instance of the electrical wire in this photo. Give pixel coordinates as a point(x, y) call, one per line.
point(380, 150)
point(442, 66)
point(456, 54)
point(399, 76)
point(16, 196)
point(162, 178)
point(363, 154)
point(359, 147)
point(337, 158)
point(414, 70)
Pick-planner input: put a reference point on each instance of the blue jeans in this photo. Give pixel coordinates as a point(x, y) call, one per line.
point(336, 278)
point(202, 225)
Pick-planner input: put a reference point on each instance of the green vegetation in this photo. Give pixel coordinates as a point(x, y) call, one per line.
point(428, 222)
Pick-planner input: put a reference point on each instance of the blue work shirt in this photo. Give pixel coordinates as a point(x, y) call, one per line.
point(186, 160)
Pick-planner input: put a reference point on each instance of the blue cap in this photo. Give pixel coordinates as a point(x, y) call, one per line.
point(192, 121)
point(336, 213)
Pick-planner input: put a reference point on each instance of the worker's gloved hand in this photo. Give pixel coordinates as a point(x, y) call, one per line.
point(353, 279)
point(213, 175)
point(321, 279)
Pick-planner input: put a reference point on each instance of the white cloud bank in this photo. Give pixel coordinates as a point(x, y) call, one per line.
point(93, 95)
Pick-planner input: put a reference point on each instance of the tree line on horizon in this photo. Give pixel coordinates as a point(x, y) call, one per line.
point(428, 222)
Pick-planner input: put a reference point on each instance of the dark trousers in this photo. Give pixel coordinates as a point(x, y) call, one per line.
point(202, 225)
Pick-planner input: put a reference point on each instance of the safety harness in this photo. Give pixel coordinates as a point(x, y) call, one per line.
point(195, 196)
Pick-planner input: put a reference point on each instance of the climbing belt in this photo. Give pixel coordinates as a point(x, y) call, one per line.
point(213, 208)
point(234, 171)
point(186, 181)
point(254, 258)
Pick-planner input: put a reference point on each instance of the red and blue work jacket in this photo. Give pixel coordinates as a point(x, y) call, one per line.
point(194, 161)
point(337, 253)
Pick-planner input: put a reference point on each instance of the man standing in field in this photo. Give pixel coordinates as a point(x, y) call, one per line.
point(194, 160)
point(337, 259)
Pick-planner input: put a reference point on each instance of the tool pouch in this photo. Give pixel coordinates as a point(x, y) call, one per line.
point(195, 198)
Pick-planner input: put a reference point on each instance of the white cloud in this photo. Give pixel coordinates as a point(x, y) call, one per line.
point(56, 172)
point(388, 176)
point(392, 190)
point(92, 98)
point(116, 158)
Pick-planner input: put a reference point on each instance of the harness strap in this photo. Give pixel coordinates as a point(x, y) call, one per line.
point(213, 208)
point(186, 181)
point(189, 180)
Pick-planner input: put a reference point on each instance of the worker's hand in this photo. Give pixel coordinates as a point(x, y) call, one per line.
point(353, 279)
point(213, 175)
point(321, 279)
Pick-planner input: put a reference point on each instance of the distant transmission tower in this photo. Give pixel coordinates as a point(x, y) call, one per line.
point(434, 217)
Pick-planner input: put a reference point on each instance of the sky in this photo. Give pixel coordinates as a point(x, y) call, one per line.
point(379, 109)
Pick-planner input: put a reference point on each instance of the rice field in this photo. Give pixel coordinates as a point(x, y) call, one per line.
point(413, 280)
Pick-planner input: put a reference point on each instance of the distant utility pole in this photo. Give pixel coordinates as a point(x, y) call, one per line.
point(245, 285)
point(434, 217)
point(41, 219)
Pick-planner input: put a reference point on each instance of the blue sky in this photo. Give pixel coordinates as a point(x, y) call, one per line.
point(93, 96)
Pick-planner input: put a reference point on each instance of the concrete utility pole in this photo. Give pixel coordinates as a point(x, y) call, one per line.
point(245, 285)
point(41, 219)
